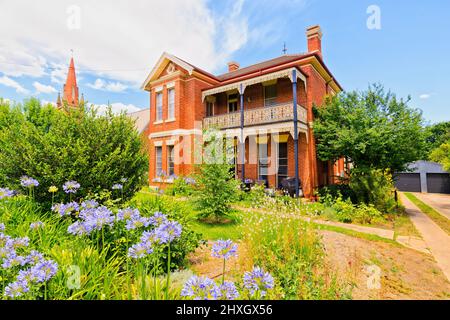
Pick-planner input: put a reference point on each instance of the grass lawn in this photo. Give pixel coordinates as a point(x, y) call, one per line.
point(217, 231)
point(438, 218)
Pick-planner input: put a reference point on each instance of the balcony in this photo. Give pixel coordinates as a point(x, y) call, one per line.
point(256, 116)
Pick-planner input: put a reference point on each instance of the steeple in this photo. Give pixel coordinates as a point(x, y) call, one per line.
point(70, 94)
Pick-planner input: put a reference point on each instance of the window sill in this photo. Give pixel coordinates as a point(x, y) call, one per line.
point(170, 120)
point(159, 180)
point(158, 122)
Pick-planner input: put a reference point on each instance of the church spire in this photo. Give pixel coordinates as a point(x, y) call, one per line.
point(70, 94)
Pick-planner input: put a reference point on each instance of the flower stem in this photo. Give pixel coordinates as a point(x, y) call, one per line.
point(223, 272)
point(168, 274)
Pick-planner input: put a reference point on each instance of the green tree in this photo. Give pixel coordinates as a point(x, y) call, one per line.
point(442, 155)
point(436, 135)
point(372, 128)
point(55, 146)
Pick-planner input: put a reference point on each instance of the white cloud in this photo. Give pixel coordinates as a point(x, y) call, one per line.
point(116, 107)
point(7, 81)
point(42, 88)
point(425, 96)
point(99, 84)
point(119, 40)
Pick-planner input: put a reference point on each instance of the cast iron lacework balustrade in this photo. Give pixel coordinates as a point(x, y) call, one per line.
point(256, 116)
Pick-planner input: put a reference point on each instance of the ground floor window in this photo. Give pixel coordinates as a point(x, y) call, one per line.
point(282, 162)
point(263, 163)
point(170, 160)
point(158, 166)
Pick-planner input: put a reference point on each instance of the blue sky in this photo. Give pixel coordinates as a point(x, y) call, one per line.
point(116, 43)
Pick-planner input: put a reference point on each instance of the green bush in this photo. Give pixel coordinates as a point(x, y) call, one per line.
point(366, 214)
point(330, 193)
point(180, 187)
point(374, 187)
point(56, 146)
point(344, 210)
point(216, 189)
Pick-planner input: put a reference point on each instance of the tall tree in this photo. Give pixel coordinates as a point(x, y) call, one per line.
point(373, 128)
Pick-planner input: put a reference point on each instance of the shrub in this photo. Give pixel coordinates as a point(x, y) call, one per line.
point(292, 252)
point(367, 214)
point(55, 146)
point(216, 189)
point(330, 193)
point(344, 210)
point(374, 187)
point(181, 186)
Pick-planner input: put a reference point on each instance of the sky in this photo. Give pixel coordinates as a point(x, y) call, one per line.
point(403, 45)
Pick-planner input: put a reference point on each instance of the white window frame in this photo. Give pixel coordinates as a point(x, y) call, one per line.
point(159, 106)
point(274, 99)
point(232, 100)
point(158, 161)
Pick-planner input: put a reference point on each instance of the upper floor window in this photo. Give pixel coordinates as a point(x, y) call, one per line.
point(159, 106)
point(209, 109)
point(171, 103)
point(270, 95)
point(233, 102)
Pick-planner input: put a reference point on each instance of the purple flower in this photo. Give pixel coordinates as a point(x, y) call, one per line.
point(71, 187)
point(158, 218)
point(89, 204)
point(127, 214)
point(79, 228)
point(17, 243)
point(16, 289)
point(247, 181)
point(200, 288)
point(6, 193)
point(224, 249)
point(34, 257)
point(36, 225)
point(13, 260)
point(137, 222)
point(117, 186)
point(27, 182)
point(168, 231)
point(258, 281)
point(2, 227)
point(139, 250)
point(65, 209)
point(44, 270)
point(189, 180)
point(99, 218)
point(228, 291)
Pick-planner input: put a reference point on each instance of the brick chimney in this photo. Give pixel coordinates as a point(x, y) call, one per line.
point(314, 36)
point(232, 66)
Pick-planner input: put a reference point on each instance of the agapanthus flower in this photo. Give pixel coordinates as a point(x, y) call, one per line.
point(70, 208)
point(117, 186)
point(17, 243)
point(158, 218)
point(34, 257)
point(79, 228)
point(228, 291)
point(27, 182)
point(168, 231)
point(13, 260)
point(123, 180)
point(53, 189)
point(89, 204)
point(189, 180)
point(16, 289)
point(27, 276)
point(58, 208)
point(258, 281)
point(71, 186)
point(6, 251)
point(127, 214)
point(139, 250)
point(44, 270)
point(200, 288)
point(137, 222)
point(248, 181)
point(99, 218)
point(224, 249)
point(36, 225)
point(2, 227)
point(6, 193)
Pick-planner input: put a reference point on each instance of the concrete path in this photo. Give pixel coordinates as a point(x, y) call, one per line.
point(438, 201)
point(436, 239)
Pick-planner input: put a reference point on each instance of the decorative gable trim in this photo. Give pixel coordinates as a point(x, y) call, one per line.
point(163, 61)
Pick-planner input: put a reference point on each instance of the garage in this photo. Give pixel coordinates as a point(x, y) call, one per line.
point(438, 182)
point(423, 176)
point(409, 182)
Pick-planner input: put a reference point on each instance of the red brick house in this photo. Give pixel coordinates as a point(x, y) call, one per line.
point(266, 107)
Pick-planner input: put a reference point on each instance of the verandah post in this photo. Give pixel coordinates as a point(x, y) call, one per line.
point(294, 102)
point(241, 92)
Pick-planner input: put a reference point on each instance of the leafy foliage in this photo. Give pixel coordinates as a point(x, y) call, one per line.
point(436, 135)
point(442, 155)
point(373, 128)
point(54, 146)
